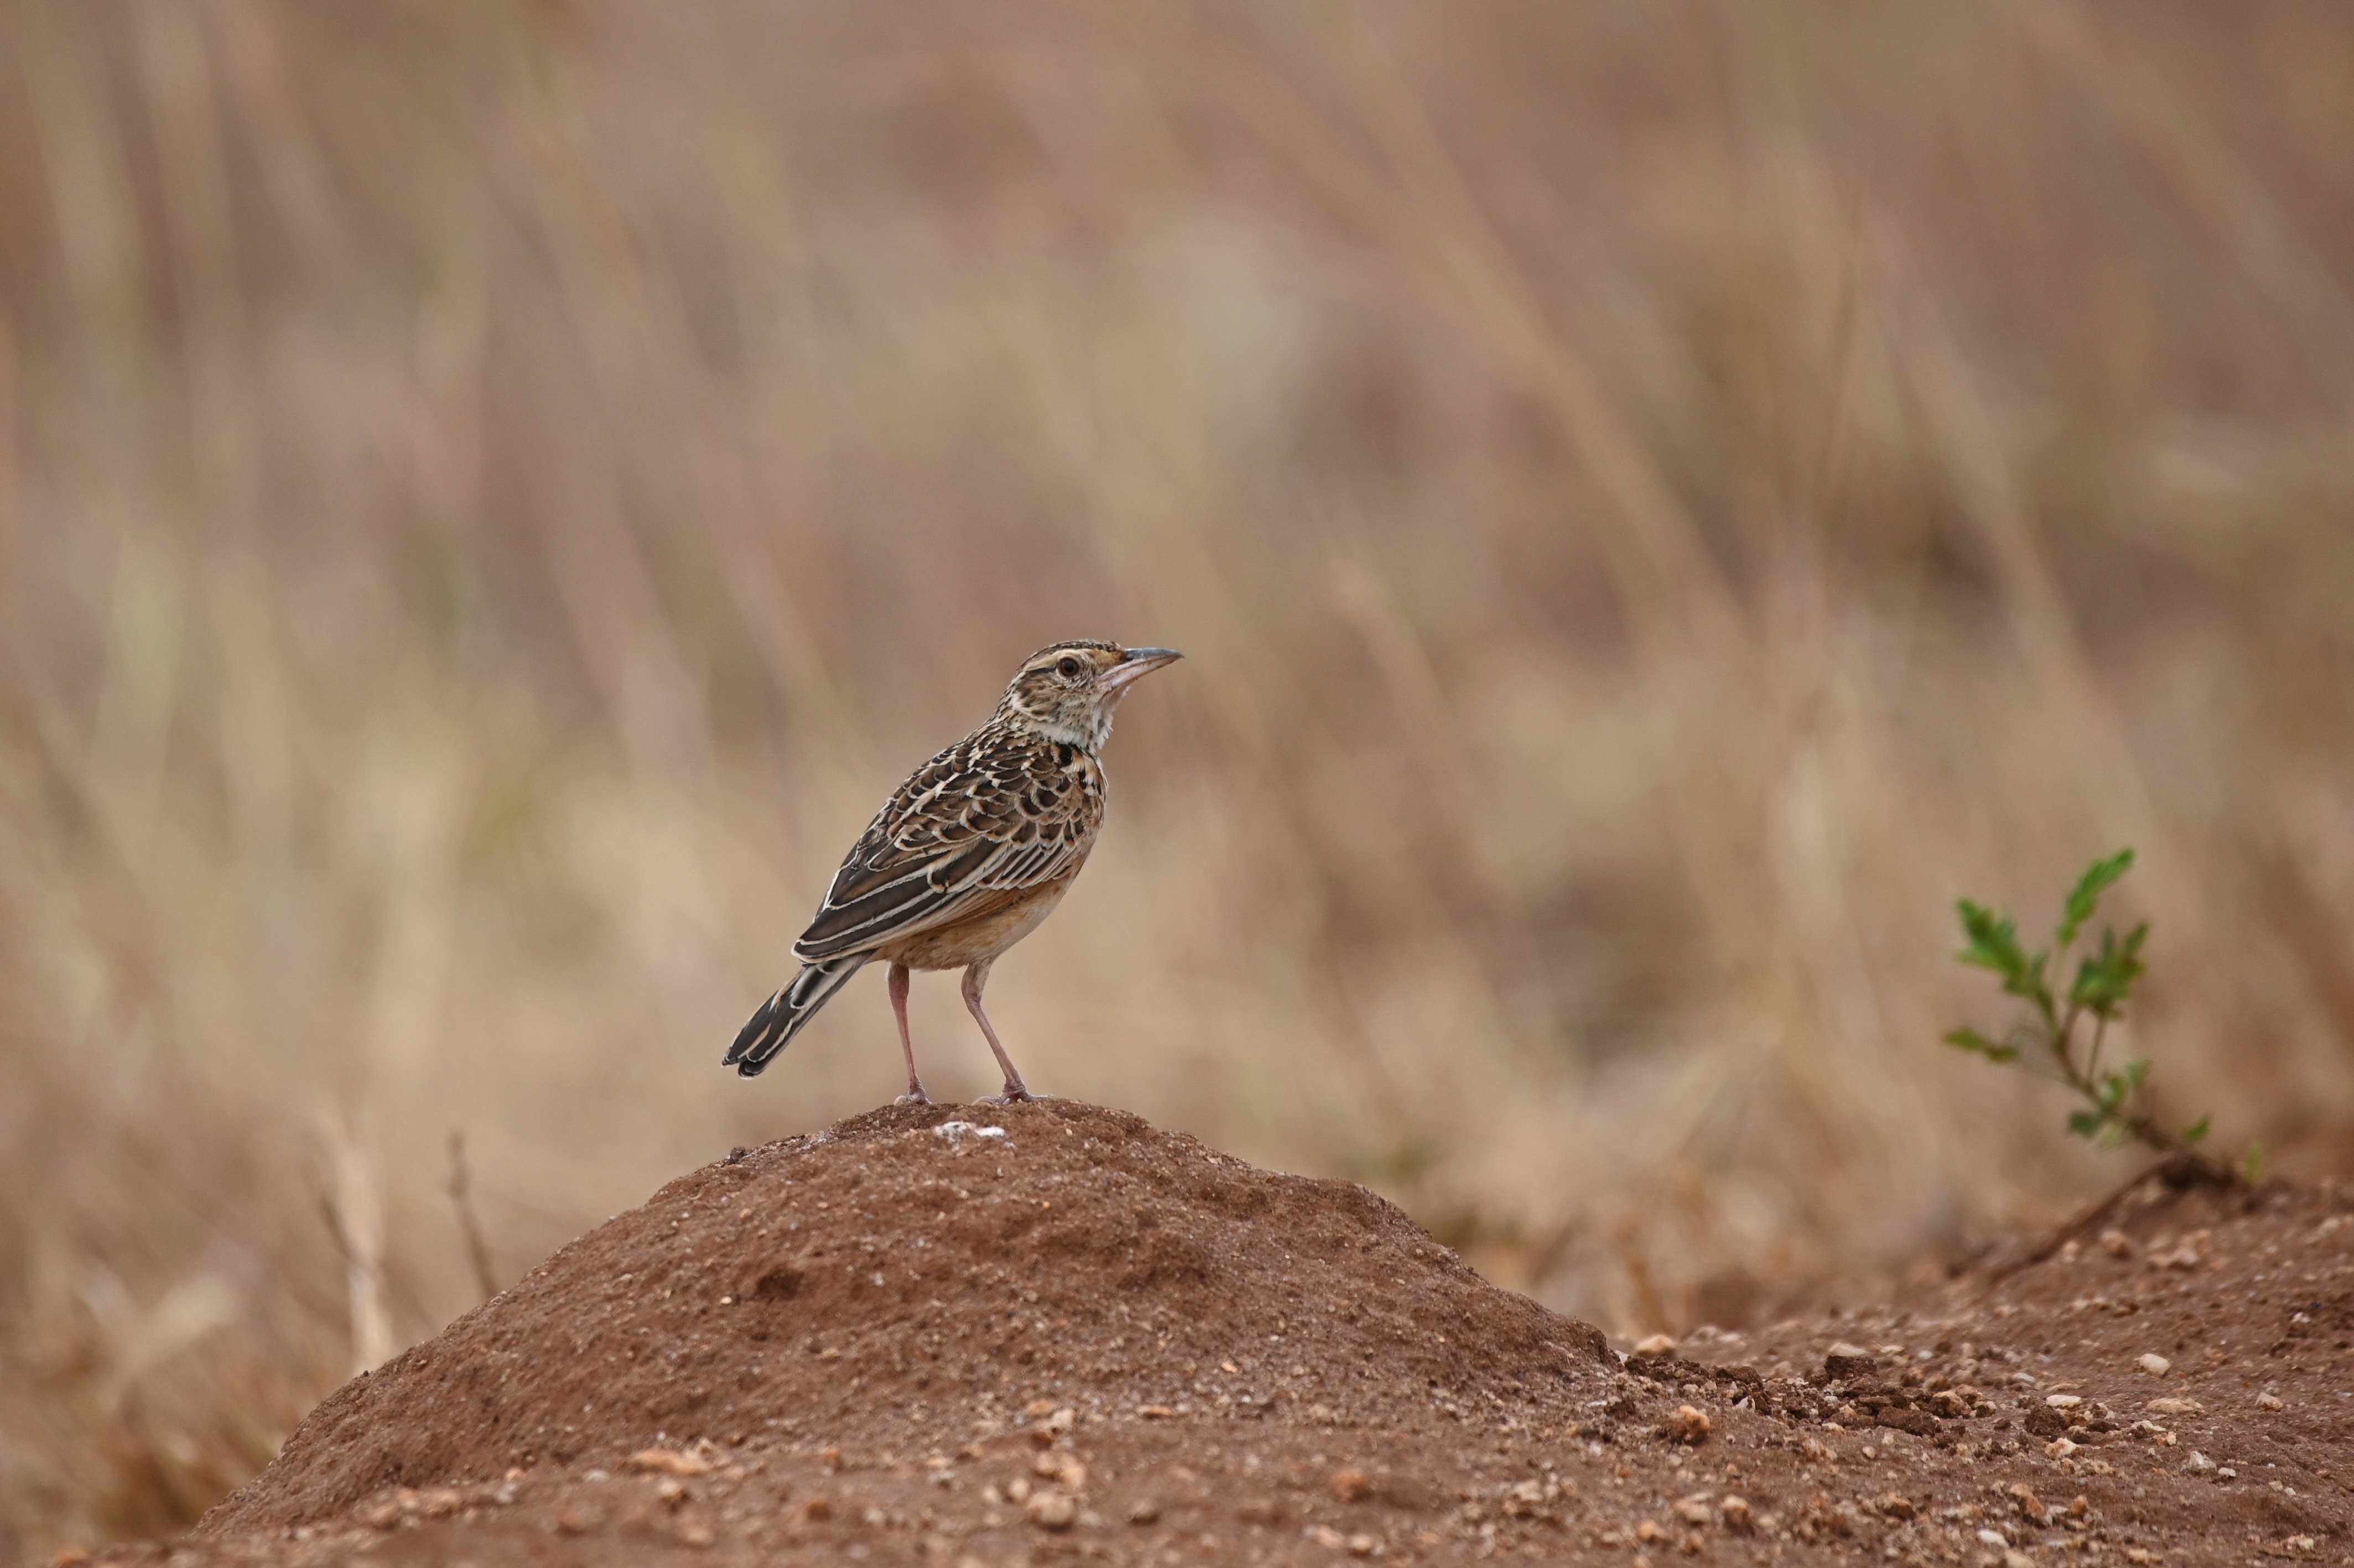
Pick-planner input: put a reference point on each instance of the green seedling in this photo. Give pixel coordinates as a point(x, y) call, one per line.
point(2050, 1041)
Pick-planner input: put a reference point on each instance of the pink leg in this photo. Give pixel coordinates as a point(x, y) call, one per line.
point(915, 1094)
point(1015, 1089)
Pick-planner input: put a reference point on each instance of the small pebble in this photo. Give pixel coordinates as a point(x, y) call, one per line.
point(1064, 1467)
point(1688, 1425)
point(2270, 1401)
point(1845, 1360)
point(1658, 1345)
point(2156, 1365)
point(1052, 1510)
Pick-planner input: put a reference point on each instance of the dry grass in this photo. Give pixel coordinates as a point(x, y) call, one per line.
point(1659, 500)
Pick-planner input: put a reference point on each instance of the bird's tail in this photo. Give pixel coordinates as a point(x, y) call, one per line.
point(781, 1016)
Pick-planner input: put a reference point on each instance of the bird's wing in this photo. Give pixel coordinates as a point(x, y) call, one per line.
point(995, 814)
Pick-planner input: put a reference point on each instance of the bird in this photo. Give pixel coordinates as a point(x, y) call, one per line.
point(968, 856)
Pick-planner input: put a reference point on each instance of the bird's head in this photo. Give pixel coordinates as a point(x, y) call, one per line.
point(1067, 692)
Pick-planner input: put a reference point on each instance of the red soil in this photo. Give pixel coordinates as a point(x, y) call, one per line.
point(893, 1341)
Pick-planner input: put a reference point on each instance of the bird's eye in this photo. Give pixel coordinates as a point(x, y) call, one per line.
point(1067, 668)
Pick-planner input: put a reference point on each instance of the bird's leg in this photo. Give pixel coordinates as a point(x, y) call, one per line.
point(1015, 1089)
point(915, 1094)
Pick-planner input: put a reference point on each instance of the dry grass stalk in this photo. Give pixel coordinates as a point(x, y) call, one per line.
point(355, 1193)
point(1655, 502)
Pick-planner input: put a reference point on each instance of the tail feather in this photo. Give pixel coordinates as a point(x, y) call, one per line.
point(781, 1016)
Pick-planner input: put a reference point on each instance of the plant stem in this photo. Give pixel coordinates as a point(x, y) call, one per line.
point(2063, 1042)
point(2140, 1125)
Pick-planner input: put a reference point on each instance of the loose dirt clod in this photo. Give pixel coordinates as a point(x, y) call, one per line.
point(1060, 1333)
point(1688, 1425)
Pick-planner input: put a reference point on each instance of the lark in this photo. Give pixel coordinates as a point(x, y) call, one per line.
point(968, 856)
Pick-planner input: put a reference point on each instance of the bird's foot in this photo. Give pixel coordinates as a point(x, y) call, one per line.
point(1015, 1093)
point(914, 1097)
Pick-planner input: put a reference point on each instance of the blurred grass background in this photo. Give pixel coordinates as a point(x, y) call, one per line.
point(1658, 499)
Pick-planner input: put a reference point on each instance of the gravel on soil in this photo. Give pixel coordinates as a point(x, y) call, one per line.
point(978, 1335)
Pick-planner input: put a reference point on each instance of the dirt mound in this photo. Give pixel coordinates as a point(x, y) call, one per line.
point(911, 1279)
point(961, 1338)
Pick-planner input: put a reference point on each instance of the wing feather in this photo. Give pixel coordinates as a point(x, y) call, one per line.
point(999, 812)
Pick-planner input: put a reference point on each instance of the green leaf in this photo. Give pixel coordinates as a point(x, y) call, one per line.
point(2086, 894)
point(2106, 980)
point(2251, 1163)
point(2027, 980)
point(2084, 1123)
point(1971, 1040)
point(2196, 1130)
point(1993, 941)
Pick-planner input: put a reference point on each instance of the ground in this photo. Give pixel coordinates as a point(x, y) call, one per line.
point(974, 1335)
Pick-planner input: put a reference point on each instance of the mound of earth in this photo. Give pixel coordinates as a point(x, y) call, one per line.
point(966, 1338)
point(910, 1281)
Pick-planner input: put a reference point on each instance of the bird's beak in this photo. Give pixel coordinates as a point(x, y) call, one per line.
point(1133, 665)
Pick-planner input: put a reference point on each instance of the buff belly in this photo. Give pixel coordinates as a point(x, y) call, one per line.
point(979, 939)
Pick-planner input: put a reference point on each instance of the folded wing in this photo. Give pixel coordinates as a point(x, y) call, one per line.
point(977, 825)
